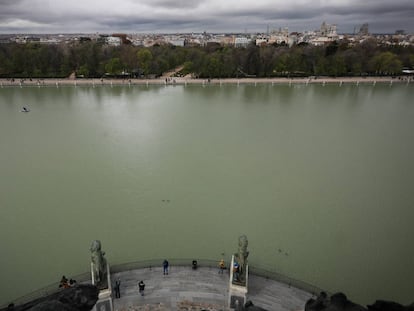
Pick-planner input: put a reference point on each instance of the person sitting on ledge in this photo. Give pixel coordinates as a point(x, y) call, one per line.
point(64, 282)
point(194, 264)
point(236, 271)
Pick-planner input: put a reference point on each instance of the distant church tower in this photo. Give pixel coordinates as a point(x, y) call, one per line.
point(328, 30)
point(363, 31)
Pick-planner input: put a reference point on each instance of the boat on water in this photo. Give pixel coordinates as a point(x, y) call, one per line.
point(25, 109)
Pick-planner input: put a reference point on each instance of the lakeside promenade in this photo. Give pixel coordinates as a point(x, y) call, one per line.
point(184, 81)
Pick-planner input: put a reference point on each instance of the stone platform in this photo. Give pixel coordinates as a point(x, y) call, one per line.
point(201, 289)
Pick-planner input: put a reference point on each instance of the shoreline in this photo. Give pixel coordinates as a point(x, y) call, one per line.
point(184, 81)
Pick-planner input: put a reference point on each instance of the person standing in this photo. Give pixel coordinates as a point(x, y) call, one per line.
point(141, 286)
point(165, 266)
point(236, 271)
point(117, 289)
point(222, 266)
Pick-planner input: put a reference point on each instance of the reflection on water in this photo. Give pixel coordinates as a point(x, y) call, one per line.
point(318, 177)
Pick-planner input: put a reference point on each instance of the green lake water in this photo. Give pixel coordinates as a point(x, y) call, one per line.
point(319, 178)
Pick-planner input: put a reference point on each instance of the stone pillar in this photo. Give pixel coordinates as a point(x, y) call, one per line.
point(237, 290)
point(104, 302)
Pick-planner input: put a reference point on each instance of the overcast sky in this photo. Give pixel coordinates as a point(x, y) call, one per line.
point(138, 16)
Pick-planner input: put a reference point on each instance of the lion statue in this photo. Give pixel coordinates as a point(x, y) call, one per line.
point(241, 259)
point(98, 262)
point(243, 253)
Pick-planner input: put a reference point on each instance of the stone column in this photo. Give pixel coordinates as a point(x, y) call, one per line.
point(237, 290)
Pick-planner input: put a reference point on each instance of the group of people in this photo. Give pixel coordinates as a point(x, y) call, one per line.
point(141, 284)
point(117, 288)
point(65, 283)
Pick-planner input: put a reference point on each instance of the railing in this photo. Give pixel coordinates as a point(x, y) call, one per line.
point(158, 263)
point(85, 278)
point(272, 275)
point(255, 270)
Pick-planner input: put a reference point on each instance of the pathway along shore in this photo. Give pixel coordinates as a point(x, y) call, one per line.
point(185, 81)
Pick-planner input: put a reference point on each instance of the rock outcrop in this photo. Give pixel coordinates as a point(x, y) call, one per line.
point(339, 302)
point(76, 298)
point(382, 305)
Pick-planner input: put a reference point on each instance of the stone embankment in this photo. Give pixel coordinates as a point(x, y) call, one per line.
point(201, 289)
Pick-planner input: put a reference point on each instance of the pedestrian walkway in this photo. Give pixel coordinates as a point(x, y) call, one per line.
point(201, 289)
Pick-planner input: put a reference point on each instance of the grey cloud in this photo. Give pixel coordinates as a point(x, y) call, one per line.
point(371, 9)
point(178, 4)
point(167, 24)
point(10, 7)
point(9, 3)
point(198, 15)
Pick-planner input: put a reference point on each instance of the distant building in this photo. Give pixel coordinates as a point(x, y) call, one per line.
point(325, 35)
point(193, 41)
point(262, 40)
point(124, 38)
point(364, 30)
point(27, 39)
point(114, 41)
point(137, 42)
point(49, 41)
point(318, 41)
point(227, 40)
point(5, 40)
point(241, 42)
point(328, 30)
point(176, 41)
point(102, 38)
point(294, 38)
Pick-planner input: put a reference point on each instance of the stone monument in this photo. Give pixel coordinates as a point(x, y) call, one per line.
point(98, 265)
point(239, 275)
point(101, 277)
point(241, 259)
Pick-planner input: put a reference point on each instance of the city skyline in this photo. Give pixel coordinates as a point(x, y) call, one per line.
point(166, 16)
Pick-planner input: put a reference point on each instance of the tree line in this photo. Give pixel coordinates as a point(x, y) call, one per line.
point(97, 60)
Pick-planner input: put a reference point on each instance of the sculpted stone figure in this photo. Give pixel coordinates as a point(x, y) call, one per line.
point(243, 253)
point(240, 258)
point(98, 262)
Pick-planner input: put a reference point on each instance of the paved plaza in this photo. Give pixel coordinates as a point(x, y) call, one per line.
point(201, 289)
